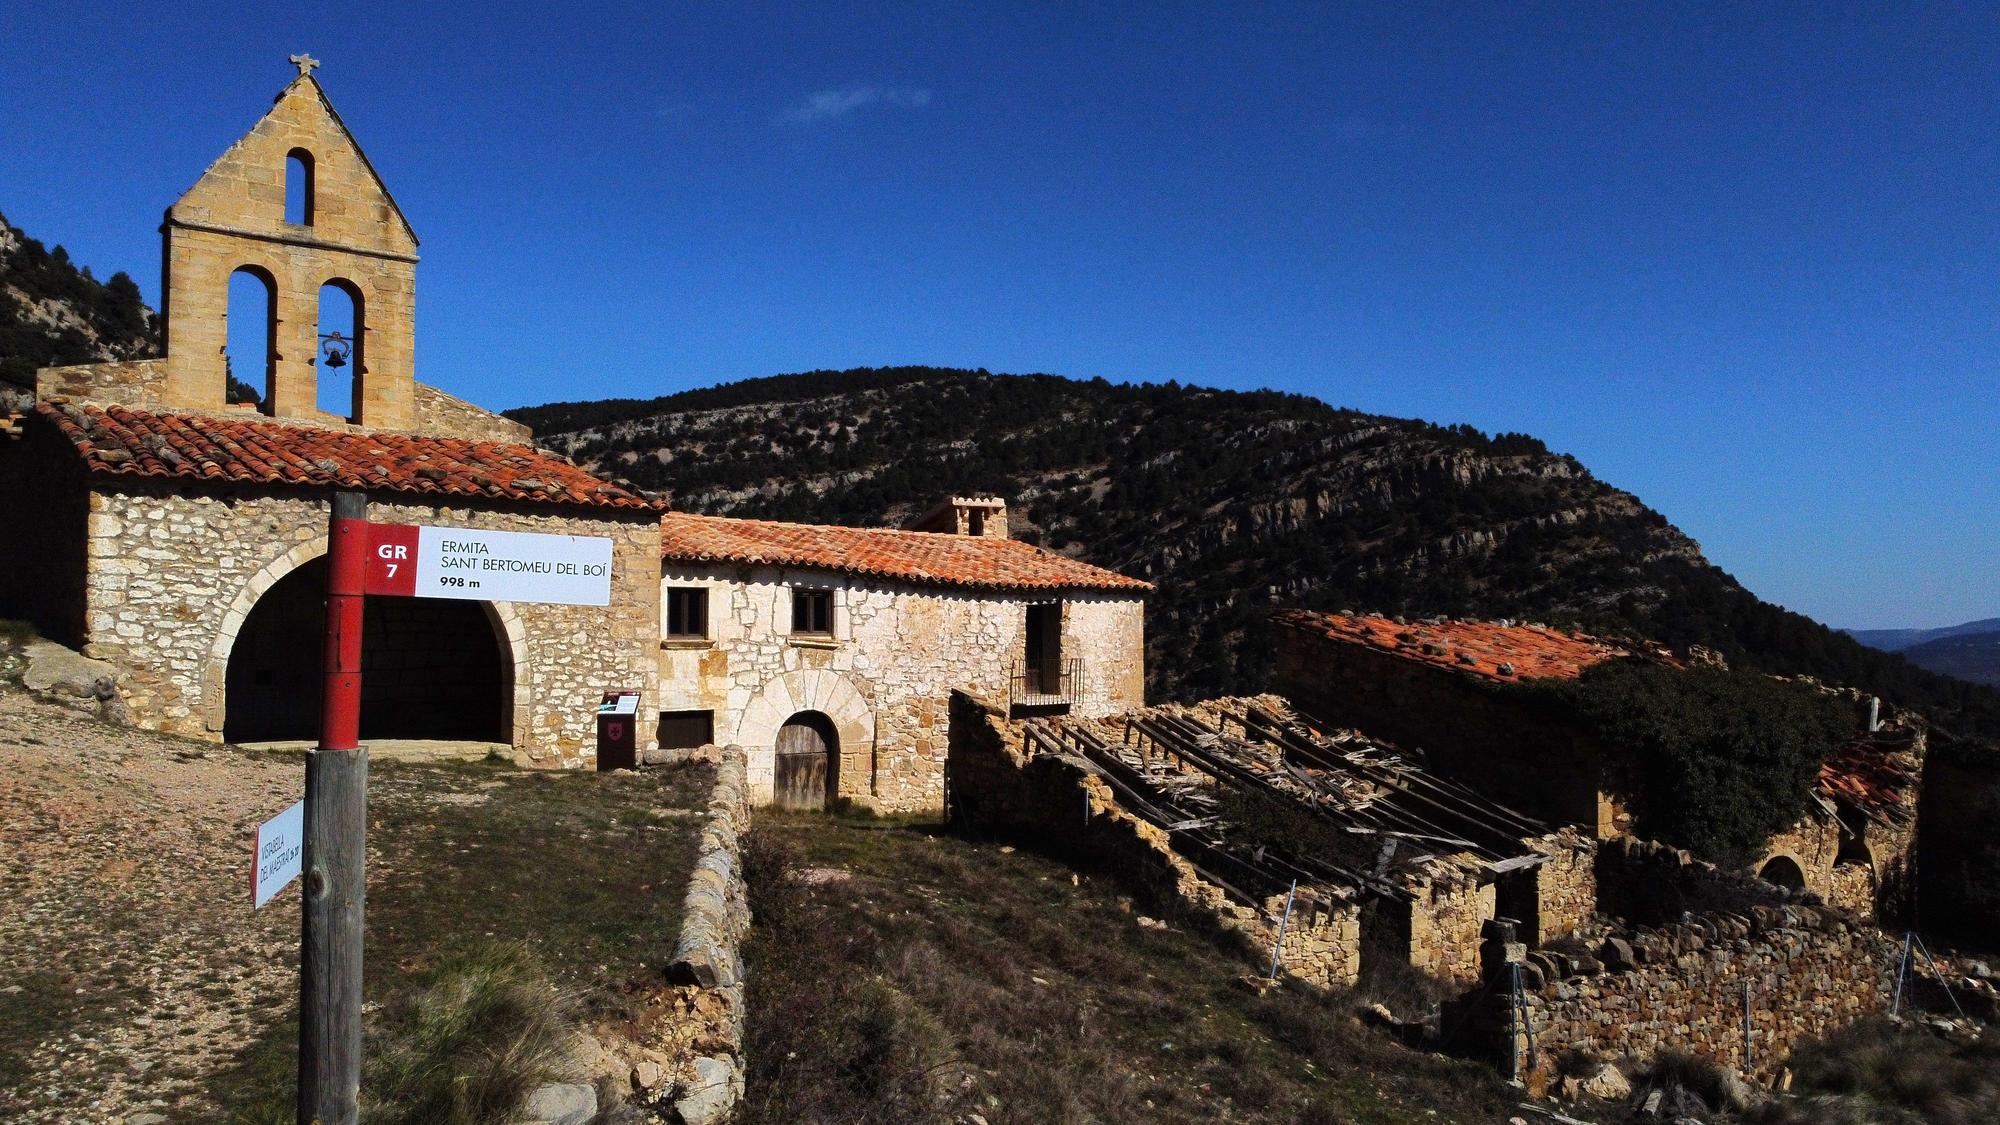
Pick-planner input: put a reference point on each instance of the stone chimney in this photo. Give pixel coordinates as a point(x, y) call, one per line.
point(965, 515)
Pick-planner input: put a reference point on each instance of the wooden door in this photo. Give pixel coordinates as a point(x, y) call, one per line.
point(803, 765)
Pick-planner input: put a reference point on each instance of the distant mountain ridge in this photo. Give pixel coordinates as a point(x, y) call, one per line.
point(1898, 640)
point(1970, 651)
point(1233, 502)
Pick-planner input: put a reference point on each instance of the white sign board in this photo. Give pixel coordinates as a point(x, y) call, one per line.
point(490, 566)
point(281, 848)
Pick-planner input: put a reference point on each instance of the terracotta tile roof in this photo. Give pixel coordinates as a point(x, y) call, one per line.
point(257, 450)
point(923, 557)
point(1875, 775)
point(1480, 648)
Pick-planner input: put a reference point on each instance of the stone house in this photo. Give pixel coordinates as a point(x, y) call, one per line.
point(180, 535)
point(1441, 686)
point(829, 653)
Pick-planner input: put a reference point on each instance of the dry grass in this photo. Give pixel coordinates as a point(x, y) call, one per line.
point(509, 890)
point(1882, 1072)
point(944, 978)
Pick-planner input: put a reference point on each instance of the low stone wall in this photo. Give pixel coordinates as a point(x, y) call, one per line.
point(694, 1065)
point(1643, 881)
point(1063, 806)
point(1809, 972)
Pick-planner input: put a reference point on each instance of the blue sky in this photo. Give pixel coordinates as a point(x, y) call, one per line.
point(1745, 264)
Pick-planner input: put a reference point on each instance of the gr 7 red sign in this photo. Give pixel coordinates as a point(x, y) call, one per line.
point(412, 560)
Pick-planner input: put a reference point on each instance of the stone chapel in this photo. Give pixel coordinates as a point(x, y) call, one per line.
point(156, 523)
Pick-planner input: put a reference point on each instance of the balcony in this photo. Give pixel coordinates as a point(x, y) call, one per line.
point(1039, 684)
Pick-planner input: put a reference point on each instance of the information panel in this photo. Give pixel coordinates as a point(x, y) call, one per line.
point(410, 560)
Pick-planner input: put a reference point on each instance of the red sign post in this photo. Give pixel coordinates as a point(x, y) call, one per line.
point(336, 844)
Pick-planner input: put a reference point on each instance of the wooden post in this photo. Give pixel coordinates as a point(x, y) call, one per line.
point(336, 845)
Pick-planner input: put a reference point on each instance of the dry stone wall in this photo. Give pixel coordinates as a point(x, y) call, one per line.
point(1808, 972)
point(884, 676)
point(702, 1075)
point(173, 573)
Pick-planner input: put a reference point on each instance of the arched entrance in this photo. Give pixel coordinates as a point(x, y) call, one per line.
point(432, 669)
point(808, 753)
point(1784, 871)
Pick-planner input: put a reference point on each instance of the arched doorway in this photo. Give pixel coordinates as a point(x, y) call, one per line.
point(1783, 871)
point(432, 668)
point(808, 754)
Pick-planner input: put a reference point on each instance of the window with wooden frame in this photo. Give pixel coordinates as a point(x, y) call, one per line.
point(812, 612)
point(687, 613)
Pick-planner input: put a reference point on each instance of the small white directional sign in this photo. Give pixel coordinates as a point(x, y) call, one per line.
point(411, 560)
point(281, 846)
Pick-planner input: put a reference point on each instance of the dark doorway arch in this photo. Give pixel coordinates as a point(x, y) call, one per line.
point(808, 767)
point(431, 668)
point(1783, 871)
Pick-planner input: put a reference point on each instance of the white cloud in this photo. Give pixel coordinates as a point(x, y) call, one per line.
point(829, 105)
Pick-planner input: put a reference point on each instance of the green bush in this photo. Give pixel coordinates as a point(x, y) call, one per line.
point(1714, 761)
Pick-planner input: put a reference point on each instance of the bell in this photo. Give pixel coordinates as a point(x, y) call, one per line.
point(333, 359)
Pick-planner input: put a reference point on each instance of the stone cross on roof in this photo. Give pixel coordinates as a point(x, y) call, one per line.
point(305, 63)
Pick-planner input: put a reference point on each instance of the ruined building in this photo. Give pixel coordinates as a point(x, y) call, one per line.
point(1442, 686)
point(158, 525)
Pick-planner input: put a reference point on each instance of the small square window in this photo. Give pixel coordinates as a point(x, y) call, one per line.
point(687, 611)
point(812, 613)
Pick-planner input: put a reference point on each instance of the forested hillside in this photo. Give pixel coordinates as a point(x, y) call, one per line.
point(1232, 502)
point(53, 312)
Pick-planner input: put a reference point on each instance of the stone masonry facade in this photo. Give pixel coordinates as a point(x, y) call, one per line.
point(172, 574)
point(884, 676)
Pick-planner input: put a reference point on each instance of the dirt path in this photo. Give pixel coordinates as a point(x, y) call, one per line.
point(131, 963)
point(138, 985)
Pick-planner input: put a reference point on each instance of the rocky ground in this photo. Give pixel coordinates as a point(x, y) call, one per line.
point(131, 958)
point(137, 984)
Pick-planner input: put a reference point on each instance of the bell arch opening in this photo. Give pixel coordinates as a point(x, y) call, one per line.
point(431, 668)
point(339, 362)
point(250, 349)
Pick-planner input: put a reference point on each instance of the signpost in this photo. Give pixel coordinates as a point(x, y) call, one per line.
point(281, 844)
point(398, 560)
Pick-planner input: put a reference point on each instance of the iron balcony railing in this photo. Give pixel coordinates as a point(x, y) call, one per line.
point(1033, 684)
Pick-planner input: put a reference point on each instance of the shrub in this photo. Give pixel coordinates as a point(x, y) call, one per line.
point(469, 1046)
point(1715, 761)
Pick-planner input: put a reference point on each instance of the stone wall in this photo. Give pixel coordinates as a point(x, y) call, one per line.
point(1565, 886)
point(1809, 972)
point(1446, 920)
point(445, 415)
point(1062, 806)
point(174, 572)
point(884, 676)
point(133, 382)
point(701, 1065)
point(1648, 882)
point(1958, 864)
